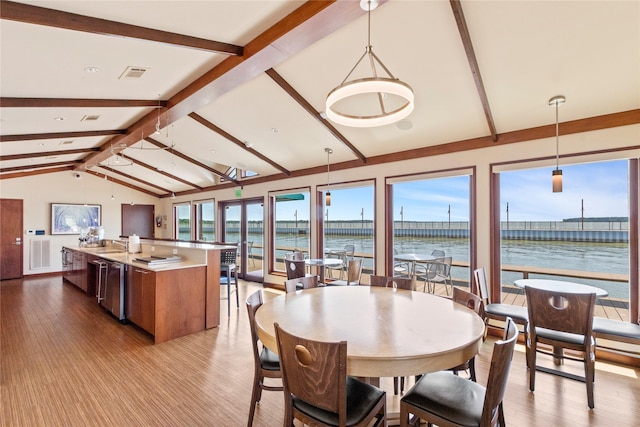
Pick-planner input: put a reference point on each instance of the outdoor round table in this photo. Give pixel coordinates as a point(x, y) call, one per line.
point(413, 259)
point(389, 332)
point(561, 286)
point(321, 263)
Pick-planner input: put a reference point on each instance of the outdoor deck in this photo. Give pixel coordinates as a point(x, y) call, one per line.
point(607, 307)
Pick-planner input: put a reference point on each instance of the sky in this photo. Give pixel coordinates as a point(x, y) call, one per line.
point(600, 187)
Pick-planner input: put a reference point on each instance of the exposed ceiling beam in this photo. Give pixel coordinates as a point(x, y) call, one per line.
point(191, 160)
point(236, 141)
point(33, 173)
point(161, 172)
point(71, 21)
point(127, 184)
point(473, 64)
point(276, 77)
point(38, 166)
point(38, 136)
point(312, 21)
point(133, 178)
point(46, 154)
point(78, 102)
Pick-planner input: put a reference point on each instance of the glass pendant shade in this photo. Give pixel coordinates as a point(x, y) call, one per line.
point(556, 180)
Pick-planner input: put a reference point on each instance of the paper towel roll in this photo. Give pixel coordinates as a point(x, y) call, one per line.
point(134, 244)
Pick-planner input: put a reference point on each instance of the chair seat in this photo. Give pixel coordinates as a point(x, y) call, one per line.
point(518, 314)
point(565, 337)
point(269, 361)
point(449, 397)
point(616, 328)
point(361, 399)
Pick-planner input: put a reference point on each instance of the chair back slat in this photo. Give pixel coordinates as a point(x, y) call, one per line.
point(306, 282)
point(565, 312)
point(295, 268)
point(499, 374)
point(467, 299)
point(228, 256)
point(314, 371)
point(480, 277)
point(254, 302)
point(390, 282)
point(354, 271)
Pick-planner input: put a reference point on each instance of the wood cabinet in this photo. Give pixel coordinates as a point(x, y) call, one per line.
point(74, 268)
point(167, 304)
point(141, 298)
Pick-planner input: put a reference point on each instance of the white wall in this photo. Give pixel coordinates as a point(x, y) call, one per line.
point(38, 192)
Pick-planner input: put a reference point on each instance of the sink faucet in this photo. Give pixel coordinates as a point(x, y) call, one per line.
point(125, 244)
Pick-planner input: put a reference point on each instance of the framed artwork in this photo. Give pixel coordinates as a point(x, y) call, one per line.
point(70, 218)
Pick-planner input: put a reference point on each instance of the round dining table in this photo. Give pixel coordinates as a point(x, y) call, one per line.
point(389, 332)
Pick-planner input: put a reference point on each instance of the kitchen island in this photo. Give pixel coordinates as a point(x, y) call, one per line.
point(170, 298)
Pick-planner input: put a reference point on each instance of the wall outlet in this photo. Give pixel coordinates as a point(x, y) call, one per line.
point(153, 248)
point(175, 252)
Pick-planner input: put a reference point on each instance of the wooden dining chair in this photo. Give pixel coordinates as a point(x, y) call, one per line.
point(448, 400)
point(295, 268)
point(474, 302)
point(265, 362)
point(318, 391)
point(354, 273)
point(396, 283)
point(299, 283)
point(498, 311)
point(562, 321)
point(391, 282)
point(295, 255)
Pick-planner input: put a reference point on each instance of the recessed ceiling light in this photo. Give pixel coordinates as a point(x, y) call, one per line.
point(275, 130)
point(92, 69)
point(59, 119)
point(404, 125)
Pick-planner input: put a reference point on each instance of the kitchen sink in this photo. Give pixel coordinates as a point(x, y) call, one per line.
point(109, 251)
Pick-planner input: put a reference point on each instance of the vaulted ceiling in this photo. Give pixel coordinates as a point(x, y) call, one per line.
point(241, 85)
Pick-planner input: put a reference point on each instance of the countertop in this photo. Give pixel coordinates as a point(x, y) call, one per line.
point(114, 254)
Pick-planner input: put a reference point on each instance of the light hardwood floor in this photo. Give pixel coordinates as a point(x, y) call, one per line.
point(65, 362)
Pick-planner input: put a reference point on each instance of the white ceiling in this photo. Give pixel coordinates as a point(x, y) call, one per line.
point(527, 52)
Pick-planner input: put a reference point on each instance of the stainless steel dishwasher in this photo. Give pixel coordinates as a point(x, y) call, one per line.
point(110, 290)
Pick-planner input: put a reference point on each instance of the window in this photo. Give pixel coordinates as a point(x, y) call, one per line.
point(578, 235)
point(350, 221)
point(431, 217)
point(205, 221)
point(182, 221)
point(291, 224)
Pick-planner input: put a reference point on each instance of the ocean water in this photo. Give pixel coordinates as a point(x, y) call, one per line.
point(580, 256)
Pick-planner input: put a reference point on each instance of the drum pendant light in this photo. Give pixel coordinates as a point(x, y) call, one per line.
point(556, 174)
point(392, 99)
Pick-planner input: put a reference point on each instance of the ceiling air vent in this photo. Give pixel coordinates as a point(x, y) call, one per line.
point(133, 72)
point(90, 118)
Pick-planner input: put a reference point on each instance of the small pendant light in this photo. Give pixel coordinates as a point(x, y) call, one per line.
point(556, 174)
point(327, 197)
